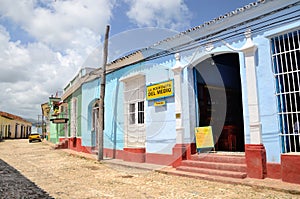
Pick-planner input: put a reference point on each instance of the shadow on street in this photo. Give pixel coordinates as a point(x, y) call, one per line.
point(14, 185)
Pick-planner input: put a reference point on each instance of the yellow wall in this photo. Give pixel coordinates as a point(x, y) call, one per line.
point(8, 128)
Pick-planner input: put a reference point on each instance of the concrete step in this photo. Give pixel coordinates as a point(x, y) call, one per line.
point(231, 174)
point(215, 165)
point(208, 157)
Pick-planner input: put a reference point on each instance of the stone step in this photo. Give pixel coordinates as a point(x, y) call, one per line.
point(231, 174)
point(62, 145)
point(207, 157)
point(215, 165)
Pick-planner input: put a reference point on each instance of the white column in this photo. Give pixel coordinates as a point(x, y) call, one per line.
point(249, 50)
point(177, 69)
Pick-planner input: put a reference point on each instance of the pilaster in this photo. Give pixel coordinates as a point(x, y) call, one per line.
point(177, 69)
point(179, 150)
point(249, 50)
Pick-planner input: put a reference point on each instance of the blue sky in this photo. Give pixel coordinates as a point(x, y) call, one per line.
point(45, 42)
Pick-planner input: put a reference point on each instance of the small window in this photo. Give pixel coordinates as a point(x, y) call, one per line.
point(136, 110)
point(132, 113)
point(95, 116)
point(141, 112)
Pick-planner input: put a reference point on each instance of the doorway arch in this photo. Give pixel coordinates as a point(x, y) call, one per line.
point(228, 129)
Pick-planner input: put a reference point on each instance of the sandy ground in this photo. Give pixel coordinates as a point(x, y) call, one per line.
point(65, 176)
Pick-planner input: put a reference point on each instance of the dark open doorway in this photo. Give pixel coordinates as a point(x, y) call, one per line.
point(208, 85)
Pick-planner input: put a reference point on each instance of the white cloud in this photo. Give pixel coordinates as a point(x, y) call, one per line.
point(64, 33)
point(30, 74)
point(18, 11)
point(60, 24)
point(172, 14)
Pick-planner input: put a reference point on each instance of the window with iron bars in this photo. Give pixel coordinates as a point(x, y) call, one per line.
point(285, 58)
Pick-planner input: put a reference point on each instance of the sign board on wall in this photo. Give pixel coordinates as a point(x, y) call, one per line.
point(160, 90)
point(204, 137)
point(160, 103)
point(59, 120)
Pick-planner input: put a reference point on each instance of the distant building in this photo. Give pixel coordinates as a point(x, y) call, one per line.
point(45, 119)
point(52, 114)
point(13, 126)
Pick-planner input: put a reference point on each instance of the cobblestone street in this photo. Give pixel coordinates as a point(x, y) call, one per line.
point(64, 176)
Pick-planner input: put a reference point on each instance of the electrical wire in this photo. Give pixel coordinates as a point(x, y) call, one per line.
point(228, 33)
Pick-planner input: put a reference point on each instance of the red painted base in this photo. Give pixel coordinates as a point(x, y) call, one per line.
point(257, 167)
point(274, 170)
point(256, 160)
point(193, 148)
point(113, 153)
point(74, 143)
point(63, 144)
point(290, 168)
point(161, 159)
point(134, 155)
point(181, 152)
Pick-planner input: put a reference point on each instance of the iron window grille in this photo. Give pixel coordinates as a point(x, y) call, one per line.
point(285, 59)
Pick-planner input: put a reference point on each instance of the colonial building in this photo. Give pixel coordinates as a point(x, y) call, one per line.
point(13, 126)
point(237, 74)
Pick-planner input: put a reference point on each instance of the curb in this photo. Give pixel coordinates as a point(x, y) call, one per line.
point(269, 184)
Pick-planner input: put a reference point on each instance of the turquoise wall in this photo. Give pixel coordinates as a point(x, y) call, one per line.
point(90, 93)
point(77, 94)
point(160, 121)
point(55, 129)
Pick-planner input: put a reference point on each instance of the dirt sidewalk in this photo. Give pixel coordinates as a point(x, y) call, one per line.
point(69, 176)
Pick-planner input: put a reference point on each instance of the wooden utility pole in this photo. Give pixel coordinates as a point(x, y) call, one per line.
point(102, 93)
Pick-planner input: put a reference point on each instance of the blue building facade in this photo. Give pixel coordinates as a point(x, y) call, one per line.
point(238, 73)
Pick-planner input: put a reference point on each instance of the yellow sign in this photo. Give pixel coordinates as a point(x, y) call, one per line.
point(204, 137)
point(160, 90)
point(160, 103)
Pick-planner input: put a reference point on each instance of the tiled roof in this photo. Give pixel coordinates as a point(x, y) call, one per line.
point(11, 116)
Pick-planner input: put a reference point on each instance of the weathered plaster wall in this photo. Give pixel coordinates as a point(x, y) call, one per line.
point(90, 93)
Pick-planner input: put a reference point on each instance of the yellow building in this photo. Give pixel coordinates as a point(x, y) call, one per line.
point(46, 120)
point(13, 126)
